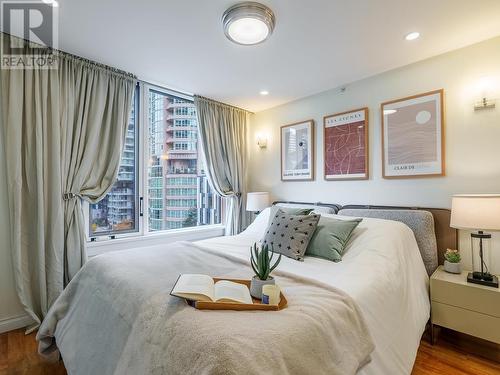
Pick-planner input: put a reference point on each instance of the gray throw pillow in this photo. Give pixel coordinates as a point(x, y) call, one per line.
point(331, 237)
point(290, 234)
point(288, 210)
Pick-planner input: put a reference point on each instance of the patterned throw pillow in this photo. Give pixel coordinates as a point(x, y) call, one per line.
point(290, 234)
point(287, 210)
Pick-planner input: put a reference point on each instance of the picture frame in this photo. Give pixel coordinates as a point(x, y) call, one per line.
point(297, 151)
point(413, 136)
point(346, 145)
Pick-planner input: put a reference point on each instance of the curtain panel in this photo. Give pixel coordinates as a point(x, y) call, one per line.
point(63, 130)
point(223, 131)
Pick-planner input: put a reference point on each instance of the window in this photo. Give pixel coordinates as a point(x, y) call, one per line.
point(117, 212)
point(175, 187)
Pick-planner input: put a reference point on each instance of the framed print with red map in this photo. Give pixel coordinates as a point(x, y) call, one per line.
point(346, 145)
point(413, 136)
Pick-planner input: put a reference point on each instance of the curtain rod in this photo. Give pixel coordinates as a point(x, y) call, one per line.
point(190, 94)
point(116, 70)
point(158, 85)
point(225, 104)
point(76, 57)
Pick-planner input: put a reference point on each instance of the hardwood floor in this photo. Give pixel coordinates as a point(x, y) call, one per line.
point(18, 356)
point(445, 359)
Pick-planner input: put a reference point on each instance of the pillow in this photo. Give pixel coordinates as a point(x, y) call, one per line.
point(331, 237)
point(290, 234)
point(288, 210)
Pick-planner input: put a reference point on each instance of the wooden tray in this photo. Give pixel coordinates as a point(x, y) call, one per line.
point(256, 305)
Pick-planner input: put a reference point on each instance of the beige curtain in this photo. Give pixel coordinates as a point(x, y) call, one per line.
point(63, 131)
point(223, 131)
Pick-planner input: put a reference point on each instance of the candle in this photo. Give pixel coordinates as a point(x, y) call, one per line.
point(271, 294)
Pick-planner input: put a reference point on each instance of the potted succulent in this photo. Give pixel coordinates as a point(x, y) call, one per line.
point(452, 261)
point(261, 261)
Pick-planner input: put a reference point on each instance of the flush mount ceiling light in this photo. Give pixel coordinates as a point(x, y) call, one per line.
point(412, 36)
point(54, 3)
point(264, 92)
point(248, 23)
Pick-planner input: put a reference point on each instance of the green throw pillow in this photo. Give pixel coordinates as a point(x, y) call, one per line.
point(330, 238)
point(289, 211)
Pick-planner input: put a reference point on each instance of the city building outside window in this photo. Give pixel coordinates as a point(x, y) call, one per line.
point(176, 193)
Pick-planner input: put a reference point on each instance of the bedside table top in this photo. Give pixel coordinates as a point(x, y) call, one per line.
point(441, 275)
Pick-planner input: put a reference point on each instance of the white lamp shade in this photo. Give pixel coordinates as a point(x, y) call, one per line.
point(257, 201)
point(476, 211)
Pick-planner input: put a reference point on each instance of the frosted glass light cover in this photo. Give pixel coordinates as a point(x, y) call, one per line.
point(248, 31)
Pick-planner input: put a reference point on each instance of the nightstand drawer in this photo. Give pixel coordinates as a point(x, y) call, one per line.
point(481, 299)
point(472, 323)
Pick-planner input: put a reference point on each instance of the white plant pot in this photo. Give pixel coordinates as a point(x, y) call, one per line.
point(452, 267)
point(256, 286)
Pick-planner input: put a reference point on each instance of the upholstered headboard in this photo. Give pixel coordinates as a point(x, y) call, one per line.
point(430, 225)
point(331, 207)
point(446, 237)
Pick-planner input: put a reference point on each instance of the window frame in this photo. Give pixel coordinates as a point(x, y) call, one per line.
point(142, 157)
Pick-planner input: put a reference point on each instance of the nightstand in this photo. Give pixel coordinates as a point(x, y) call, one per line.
point(461, 306)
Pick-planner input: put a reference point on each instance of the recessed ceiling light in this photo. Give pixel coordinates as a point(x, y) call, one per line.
point(389, 111)
point(264, 92)
point(412, 36)
point(248, 23)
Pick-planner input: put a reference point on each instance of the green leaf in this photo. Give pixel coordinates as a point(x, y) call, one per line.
point(275, 264)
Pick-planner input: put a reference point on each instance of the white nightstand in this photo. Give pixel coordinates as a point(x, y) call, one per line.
point(468, 308)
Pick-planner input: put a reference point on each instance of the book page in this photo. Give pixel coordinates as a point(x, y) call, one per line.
point(195, 287)
point(228, 291)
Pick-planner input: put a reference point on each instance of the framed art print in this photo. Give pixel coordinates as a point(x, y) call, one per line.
point(346, 145)
point(297, 151)
point(413, 136)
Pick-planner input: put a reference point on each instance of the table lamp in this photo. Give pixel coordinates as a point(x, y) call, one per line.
point(479, 213)
point(257, 201)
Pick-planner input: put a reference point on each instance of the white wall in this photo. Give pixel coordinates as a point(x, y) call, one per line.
point(10, 307)
point(472, 138)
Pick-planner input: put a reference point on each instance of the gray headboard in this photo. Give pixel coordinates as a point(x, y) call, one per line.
point(420, 222)
point(431, 226)
point(335, 207)
point(446, 237)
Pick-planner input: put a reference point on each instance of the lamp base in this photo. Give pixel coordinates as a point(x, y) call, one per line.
point(483, 279)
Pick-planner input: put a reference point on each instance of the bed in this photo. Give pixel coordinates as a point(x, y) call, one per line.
point(378, 293)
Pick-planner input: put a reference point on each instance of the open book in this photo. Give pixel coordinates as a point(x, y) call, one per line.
point(202, 288)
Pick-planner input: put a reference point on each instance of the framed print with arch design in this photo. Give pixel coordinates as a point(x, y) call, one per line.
point(297, 151)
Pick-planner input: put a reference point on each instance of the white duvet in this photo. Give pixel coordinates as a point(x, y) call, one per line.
point(382, 271)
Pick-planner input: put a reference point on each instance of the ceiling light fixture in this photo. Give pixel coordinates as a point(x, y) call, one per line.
point(248, 23)
point(412, 36)
point(54, 3)
point(264, 92)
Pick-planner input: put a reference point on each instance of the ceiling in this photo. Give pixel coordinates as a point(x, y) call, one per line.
point(316, 45)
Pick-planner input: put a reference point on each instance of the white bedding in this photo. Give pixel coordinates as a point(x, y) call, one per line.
point(382, 271)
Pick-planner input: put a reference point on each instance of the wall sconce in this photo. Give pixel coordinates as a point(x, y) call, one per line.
point(261, 141)
point(484, 104)
point(484, 88)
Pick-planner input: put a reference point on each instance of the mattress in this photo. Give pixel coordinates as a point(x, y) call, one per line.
point(382, 270)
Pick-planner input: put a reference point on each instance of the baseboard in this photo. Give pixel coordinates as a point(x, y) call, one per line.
point(16, 322)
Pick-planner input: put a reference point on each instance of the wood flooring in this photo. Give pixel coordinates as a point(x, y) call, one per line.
point(18, 356)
